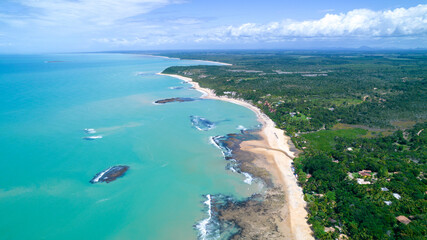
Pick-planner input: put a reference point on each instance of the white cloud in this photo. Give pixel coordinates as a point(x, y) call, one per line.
point(356, 23)
point(186, 21)
point(86, 12)
point(111, 24)
point(77, 24)
point(123, 42)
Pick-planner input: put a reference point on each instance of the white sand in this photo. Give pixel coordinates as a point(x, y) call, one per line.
point(219, 63)
point(276, 140)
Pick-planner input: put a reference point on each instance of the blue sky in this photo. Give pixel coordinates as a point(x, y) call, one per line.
point(29, 26)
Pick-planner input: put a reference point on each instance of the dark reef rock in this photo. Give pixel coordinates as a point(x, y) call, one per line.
point(177, 99)
point(257, 217)
point(242, 161)
point(90, 138)
point(176, 88)
point(261, 216)
point(110, 174)
point(201, 124)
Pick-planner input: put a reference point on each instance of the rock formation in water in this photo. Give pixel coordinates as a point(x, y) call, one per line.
point(201, 124)
point(177, 99)
point(110, 174)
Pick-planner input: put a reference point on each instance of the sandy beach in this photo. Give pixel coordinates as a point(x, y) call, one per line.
point(278, 161)
point(220, 63)
point(203, 61)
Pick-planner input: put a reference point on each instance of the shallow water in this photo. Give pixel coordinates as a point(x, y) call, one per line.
point(47, 165)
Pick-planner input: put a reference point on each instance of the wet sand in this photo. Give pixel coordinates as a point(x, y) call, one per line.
point(277, 160)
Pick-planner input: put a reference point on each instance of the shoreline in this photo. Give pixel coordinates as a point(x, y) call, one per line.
point(196, 60)
point(275, 147)
point(220, 63)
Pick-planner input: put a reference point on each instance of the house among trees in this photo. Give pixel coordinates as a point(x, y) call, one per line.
point(365, 173)
point(396, 195)
point(362, 181)
point(403, 219)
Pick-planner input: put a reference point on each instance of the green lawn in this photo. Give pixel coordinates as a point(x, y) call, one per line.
point(325, 140)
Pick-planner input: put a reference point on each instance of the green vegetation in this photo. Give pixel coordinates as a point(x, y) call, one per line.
point(335, 199)
point(360, 120)
point(326, 88)
point(324, 141)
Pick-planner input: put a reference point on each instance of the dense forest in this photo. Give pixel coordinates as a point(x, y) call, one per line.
point(359, 119)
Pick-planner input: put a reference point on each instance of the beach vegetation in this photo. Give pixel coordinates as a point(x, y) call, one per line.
point(359, 121)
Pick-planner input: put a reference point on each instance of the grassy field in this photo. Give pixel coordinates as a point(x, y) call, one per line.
point(323, 141)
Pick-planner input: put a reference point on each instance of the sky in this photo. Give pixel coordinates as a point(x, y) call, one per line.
point(42, 26)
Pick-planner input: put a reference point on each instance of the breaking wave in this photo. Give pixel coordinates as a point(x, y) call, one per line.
point(232, 164)
point(96, 179)
point(201, 124)
point(208, 228)
point(240, 127)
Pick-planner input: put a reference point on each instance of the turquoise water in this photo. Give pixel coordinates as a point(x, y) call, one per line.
point(46, 165)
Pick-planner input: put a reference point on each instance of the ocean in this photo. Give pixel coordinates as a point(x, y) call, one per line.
point(46, 102)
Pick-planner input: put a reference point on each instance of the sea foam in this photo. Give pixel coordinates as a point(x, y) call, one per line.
point(248, 179)
point(95, 180)
point(90, 130)
point(201, 124)
point(208, 228)
point(232, 164)
point(240, 127)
